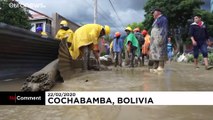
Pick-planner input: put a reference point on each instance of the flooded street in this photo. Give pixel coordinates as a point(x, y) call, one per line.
point(177, 77)
point(106, 113)
point(58, 58)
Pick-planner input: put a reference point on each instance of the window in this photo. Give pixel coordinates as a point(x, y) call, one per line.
point(39, 24)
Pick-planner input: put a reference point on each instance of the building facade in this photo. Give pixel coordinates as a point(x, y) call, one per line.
point(43, 21)
point(50, 25)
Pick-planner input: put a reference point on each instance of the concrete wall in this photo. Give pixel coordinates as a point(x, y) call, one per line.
point(23, 52)
point(57, 18)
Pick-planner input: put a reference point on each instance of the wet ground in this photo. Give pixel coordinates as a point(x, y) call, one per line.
point(176, 77)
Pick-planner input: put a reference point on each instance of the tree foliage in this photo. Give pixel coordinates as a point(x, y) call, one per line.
point(135, 25)
point(12, 13)
point(177, 11)
point(108, 38)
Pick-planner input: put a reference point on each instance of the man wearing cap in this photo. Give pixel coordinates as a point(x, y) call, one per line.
point(141, 41)
point(158, 48)
point(117, 49)
point(64, 32)
point(132, 45)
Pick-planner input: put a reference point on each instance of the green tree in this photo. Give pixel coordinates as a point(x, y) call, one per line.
point(12, 13)
point(178, 13)
point(135, 25)
point(108, 38)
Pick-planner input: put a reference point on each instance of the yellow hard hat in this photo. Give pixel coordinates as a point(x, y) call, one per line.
point(64, 22)
point(107, 29)
point(129, 29)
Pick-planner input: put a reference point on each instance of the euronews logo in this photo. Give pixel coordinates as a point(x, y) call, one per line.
point(24, 5)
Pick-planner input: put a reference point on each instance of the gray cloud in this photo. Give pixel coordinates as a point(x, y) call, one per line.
point(133, 4)
point(81, 11)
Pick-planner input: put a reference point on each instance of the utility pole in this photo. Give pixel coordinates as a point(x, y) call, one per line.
point(95, 11)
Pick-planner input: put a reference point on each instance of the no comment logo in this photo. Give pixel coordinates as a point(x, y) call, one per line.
point(29, 5)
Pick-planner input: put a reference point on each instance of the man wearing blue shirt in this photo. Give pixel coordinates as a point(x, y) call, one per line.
point(117, 49)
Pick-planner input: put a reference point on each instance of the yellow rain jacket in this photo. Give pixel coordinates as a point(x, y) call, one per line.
point(62, 34)
point(111, 47)
point(84, 36)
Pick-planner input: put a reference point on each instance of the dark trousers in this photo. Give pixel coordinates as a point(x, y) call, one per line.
point(132, 51)
point(202, 48)
point(118, 58)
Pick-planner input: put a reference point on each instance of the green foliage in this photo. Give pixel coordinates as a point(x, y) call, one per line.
point(108, 38)
point(200, 58)
point(190, 58)
point(179, 14)
point(135, 25)
point(177, 11)
point(148, 21)
point(187, 41)
point(103, 53)
point(15, 15)
point(210, 58)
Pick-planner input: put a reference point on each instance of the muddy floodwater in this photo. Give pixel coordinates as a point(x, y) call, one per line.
point(176, 77)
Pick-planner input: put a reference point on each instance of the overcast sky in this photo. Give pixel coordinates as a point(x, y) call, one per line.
point(81, 11)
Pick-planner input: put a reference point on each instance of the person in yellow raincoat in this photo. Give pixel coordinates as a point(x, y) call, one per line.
point(85, 39)
point(111, 50)
point(64, 32)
